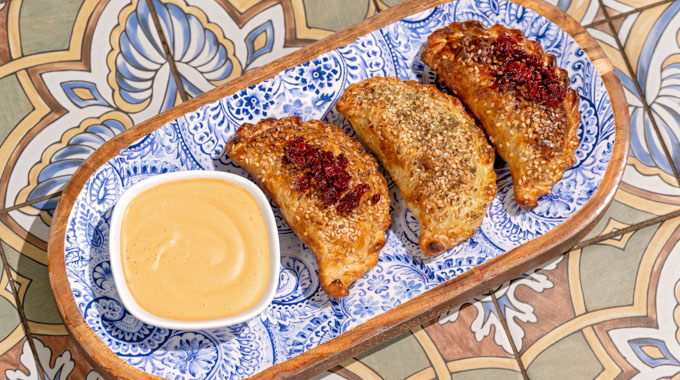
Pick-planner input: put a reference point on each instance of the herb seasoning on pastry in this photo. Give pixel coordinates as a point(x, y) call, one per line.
point(328, 188)
point(434, 150)
point(519, 95)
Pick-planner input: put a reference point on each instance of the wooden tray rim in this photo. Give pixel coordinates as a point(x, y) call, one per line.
point(423, 308)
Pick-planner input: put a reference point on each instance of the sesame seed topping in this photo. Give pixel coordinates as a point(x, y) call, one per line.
point(530, 124)
point(425, 136)
point(354, 231)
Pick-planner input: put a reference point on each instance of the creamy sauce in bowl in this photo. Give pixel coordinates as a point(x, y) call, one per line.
point(195, 249)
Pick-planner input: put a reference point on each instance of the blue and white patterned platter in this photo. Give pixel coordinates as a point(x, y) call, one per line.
point(301, 315)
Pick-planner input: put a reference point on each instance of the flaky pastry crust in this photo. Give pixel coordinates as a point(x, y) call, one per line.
point(434, 150)
point(537, 141)
point(345, 245)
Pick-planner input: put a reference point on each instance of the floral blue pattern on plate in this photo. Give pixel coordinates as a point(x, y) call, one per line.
point(301, 315)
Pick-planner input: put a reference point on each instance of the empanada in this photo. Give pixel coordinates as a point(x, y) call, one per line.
point(434, 150)
point(519, 95)
point(328, 188)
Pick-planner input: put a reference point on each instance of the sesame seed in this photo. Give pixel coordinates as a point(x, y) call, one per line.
point(259, 150)
point(533, 136)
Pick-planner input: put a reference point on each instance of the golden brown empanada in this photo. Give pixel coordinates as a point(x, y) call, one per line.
point(518, 94)
point(434, 150)
point(328, 188)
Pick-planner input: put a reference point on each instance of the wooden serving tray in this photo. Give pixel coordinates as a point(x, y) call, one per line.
point(422, 308)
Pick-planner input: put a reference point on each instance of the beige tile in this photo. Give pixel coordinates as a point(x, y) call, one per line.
point(53, 32)
point(385, 4)
point(569, 358)
point(14, 106)
point(12, 332)
point(396, 359)
point(336, 15)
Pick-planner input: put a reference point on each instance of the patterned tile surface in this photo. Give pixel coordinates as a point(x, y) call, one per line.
point(607, 309)
point(68, 98)
point(470, 339)
point(384, 4)
point(585, 12)
point(57, 358)
point(654, 64)
point(12, 333)
point(649, 175)
point(91, 69)
point(465, 343)
point(57, 353)
point(29, 269)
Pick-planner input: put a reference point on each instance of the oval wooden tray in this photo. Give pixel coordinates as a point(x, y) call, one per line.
point(420, 309)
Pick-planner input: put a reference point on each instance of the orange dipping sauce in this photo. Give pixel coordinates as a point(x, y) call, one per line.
point(195, 249)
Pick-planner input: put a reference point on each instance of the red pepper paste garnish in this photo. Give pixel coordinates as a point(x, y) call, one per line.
point(302, 184)
point(521, 69)
point(351, 201)
point(326, 171)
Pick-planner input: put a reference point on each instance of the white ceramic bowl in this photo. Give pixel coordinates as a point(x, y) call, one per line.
point(116, 265)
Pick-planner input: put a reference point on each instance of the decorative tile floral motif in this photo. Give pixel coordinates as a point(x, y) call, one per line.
point(253, 40)
point(616, 320)
point(648, 180)
point(657, 71)
point(471, 337)
point(199, 47)
point(514, 309)
point(302, 316)
point(655, 351)
point(51, 365)
point(650, 43)
point(71, 108)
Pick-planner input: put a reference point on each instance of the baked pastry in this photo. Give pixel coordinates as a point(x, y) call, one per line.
point(519, 95)
point(328, 188)
point(434, 150)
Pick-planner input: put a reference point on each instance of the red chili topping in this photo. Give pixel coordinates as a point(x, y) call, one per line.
point(521, 69)
point(351, 201)
point(375, 198)
point(342, 160)
point(302, 184)
point(327, 172)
